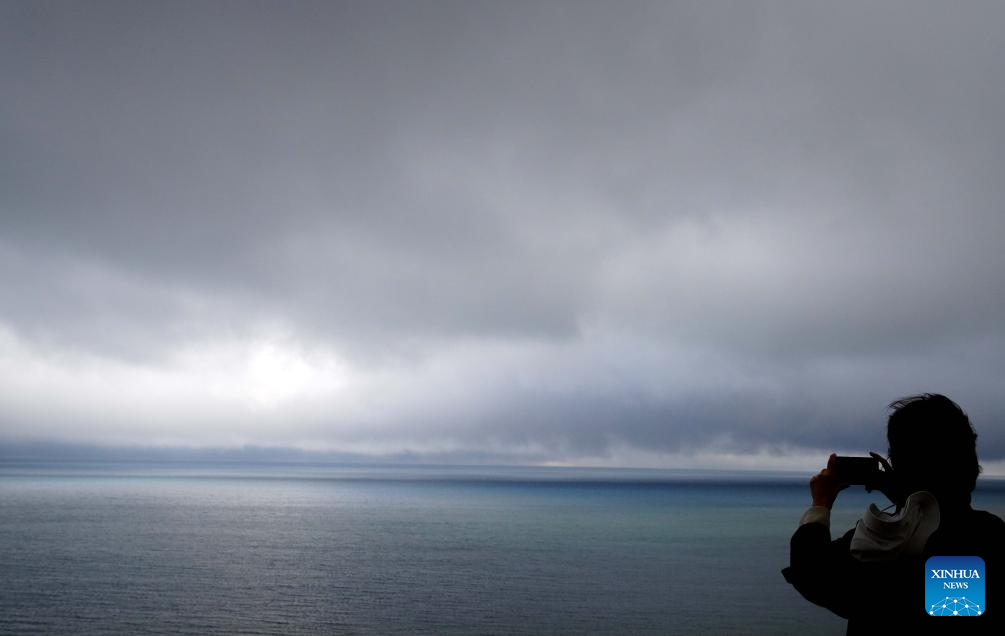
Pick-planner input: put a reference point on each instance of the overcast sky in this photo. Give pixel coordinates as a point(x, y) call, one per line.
point(622, 233)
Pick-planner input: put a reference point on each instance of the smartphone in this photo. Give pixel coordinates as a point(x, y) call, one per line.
point(857, 470)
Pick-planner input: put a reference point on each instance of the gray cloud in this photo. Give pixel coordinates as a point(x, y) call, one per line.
point(542, 230)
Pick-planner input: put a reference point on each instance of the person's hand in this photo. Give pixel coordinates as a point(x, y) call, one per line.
point(886, 482)
point(824, 486)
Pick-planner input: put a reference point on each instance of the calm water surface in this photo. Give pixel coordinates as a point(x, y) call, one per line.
point(223, 549)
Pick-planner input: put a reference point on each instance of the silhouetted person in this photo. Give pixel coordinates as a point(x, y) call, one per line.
point(874, 575)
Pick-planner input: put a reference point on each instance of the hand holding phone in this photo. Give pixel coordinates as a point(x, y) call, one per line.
point(873, 472)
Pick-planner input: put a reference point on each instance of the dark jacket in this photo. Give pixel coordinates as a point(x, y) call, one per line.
point(889, 597)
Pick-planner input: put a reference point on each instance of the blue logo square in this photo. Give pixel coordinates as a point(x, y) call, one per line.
point(954, 586)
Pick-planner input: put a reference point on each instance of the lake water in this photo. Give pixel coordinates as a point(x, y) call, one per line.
point(304, 549)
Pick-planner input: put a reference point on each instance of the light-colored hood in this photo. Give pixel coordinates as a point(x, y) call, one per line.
point(881, 536)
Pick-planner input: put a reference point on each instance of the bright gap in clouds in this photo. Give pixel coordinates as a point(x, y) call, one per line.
point(227, 392)
point(264, 373)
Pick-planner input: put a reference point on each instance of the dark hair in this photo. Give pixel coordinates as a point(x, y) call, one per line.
point(933, 446)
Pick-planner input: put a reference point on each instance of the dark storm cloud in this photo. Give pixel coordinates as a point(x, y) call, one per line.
point(548, 229)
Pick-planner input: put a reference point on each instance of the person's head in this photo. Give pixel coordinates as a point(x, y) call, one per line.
point(933, 447)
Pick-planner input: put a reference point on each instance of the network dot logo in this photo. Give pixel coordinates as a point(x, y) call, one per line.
point(954, 586)
point(955, 607)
